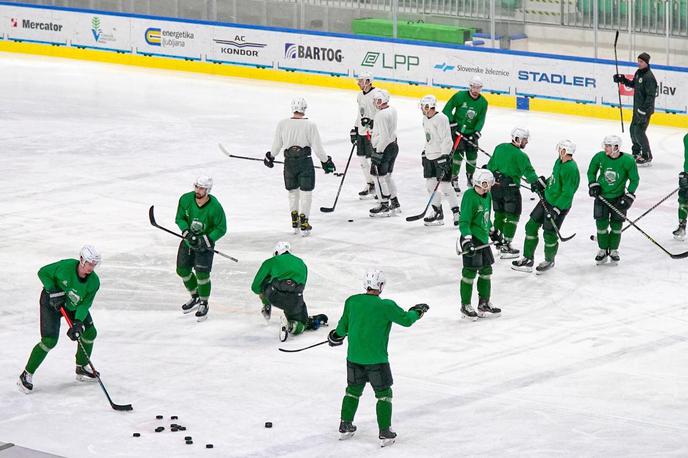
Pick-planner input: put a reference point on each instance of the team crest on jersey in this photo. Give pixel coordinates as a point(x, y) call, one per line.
point(640, 80)
point(610, 176)
point(427, 136)
point(64, 282)
point(196, 226)
point(73, 297)
point(463, 105)
point(470, 114)
point(362, 111)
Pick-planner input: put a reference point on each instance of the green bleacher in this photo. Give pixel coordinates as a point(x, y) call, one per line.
point(413, 30)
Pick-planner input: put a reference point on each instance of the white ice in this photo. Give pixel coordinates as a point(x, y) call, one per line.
point(585, 361)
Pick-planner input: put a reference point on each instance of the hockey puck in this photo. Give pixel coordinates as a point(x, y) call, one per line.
point(208, 445)
point(137, 434)
point(159, 429)
point(268, 424)
point(158, 417)
point(187, 438)
point(174, 417)
point(189, 442)
point(351, 221)
point(592, 237)
point(182, 428)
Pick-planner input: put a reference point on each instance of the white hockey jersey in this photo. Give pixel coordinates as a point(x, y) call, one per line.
point(297, 132)
point(438, 140)
point(384, 128)
point(366, 109)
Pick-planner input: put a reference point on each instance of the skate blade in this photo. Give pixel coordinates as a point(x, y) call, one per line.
point(186, 312)
point(540, 272)
point(283, 334)
point(509, 256)
point(200, 319)
point(435, 223)
point(346, 436)
point(386, 442)
point(85, 378)
point(366, 197)
point(22, 388)
point(466, 317)
point(679, 238)
point(489, 315)
point(602, 262)
point(266, 317)
point(613, 263)
point(380, 215)
point(305, 233)
point(522, 269)
point(295, 230)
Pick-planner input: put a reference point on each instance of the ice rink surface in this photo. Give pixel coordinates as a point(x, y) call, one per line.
point(585, 361)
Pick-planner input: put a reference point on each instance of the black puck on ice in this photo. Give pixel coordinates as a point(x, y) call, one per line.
point(187, 438)
point(174, 417)
point(268, 424)
point(208, 445)
point(158, 417)
point(351, 221)
point(182, 428)
point(189, 442)
point(159, 429)
point(137, 434)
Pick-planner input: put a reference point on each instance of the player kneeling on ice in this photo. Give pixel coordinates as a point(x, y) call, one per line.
point(299, 137)
point(71, 285)
point(280, 282)
point(680, 232)
point(367, 321)
point(477, 257)
point(384, 140)
point(608, 174)
point(437, 161)
point(202, 221)
point(554, 205)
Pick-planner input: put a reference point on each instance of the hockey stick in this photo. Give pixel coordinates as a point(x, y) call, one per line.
point(302, 349)
point(341, 183)
point(592, 237)
point(551, 219)
point(479, 247)
point(249, 158)
point(618, 88)
point(615, 210)
point(151, 217)
point(120, 407)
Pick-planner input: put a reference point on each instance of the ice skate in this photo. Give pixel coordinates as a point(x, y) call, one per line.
point(468, 312)
point(86, 374)
point(455, 184)
point(25, 382)
point(523, 265)
point(614, 257)
point(601, 257)
point(191, 304)
point(543, 267)
point(436, 218)
point(202, 312)
point(457, 215)
point(368, 192)
point(642, 161)
point(394, 206)
point(382, 210)
point(285, 329)
point(295, 222)
point(680, 232)
point(346, 430)
point(266, 311)
point(387, 437)
point(316, 321)
point(305, 226)
point(486, 310)
point(507, 252)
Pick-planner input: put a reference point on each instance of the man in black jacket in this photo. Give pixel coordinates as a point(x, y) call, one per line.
point(645, 91)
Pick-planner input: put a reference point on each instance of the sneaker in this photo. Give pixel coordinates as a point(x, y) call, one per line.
point(394, 206)
point(368, 192)
point(315, 321)
point(346, 430)
point(202, 312)
point(468, 311)
point(191, 304)
point(25, 382)
point(387, 437)
point(305, 226)
point(266, 311)
point(544, 266)
point(457, 215)
point(86, 374)
point(614, 257)
point(485, 309)
point(455, 184)
point(436, 218)
point(507, 252)
point(601, 257)
point(680, 232)
point(523, 265)
point(381, 210)
point(295, 222)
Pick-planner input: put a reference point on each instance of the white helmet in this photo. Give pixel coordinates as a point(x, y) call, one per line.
point(365, 76)
point(612, 140)
point(299, 105)
point(374, 279)
point(381, 95)
point(567, 145)
point(205, 182)
point(475, 82)
point(89, 253)
point(281, 248)
point(483, 178)
point(519, 133)
point(428, 100)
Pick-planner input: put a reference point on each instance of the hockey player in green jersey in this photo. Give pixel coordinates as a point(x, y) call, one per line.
point(680, 232)
point(553, 206)
point(466, 111)
point(367, 321)
point(71, 285)
point(510, 164)
point(474, 226)
point(279, 282)
point(202, 221)
point(612, 175)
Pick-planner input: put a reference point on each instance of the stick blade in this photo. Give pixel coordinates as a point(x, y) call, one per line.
point(566, 239)
point(327, 209)
point(679, 255)
point(122, 408)
point(414, 217)
point(151, 215)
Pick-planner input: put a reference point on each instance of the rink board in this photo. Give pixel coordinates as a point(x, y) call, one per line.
point(9, 450)
point(542, 82)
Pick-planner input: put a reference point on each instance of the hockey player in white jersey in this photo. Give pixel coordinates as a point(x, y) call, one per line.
point(437, 162)
point(298, 136)
point(361, 132)
point(385, 150)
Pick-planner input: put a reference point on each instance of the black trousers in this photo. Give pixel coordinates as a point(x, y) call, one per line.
point(641, 145)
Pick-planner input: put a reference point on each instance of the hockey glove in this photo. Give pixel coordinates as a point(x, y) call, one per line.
point(269, 160)
point(333, 339)
point(619, 78)
point(328, 165)
point(75, 331)
point(367, 122)
point(472, 139)
point(194, 241)
point(376, 158)
point(420, 309)
point(539, 185)
point(467, 245)
point(442, 167)
point(683, 181)
point(353, 134)
point(56, 299)
point(594, 189)
point(626, 201)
